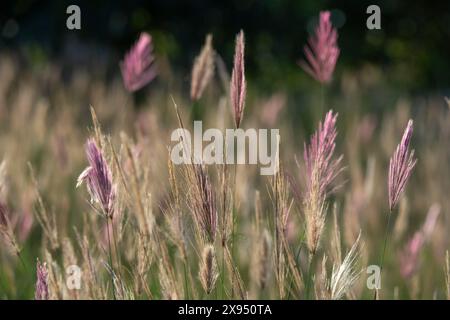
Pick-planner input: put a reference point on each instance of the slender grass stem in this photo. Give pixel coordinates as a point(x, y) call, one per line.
point(186, 287)
point(110, 258)
point(118, 258)
point(296, 259)
point(224, 226)
point(309, 276)
point(386, 236)
point(233, 231)
point(223, 271)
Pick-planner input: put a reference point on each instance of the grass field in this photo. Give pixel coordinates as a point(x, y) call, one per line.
point(146, 228)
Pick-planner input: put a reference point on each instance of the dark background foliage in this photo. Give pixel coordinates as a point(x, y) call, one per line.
point(413, 47)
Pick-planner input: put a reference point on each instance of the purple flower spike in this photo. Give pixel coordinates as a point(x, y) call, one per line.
point(322, 50)
point(137, 67)
point(98, 179)
point(41, 292)
point(400, 167)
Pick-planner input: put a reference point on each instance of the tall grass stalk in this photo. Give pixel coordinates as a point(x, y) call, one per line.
point(110, 259)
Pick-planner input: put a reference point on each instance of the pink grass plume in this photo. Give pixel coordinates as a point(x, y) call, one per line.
point(98, 179)
point(321, 168)
point(400, 167)
point(322, 51)
point(138, 67)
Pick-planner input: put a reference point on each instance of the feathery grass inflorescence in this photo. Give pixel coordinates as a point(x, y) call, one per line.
point(203, 69)
point(6, 230)
point(345, 275)
point(202, 201)
point(98, 179)
point(170, 289)
point(208, 273)
point(282, 203)
point(138, 66)
point(401, 165)
point(321, 171)
point(238, 85)
point(56, 286)
point(322, 50)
